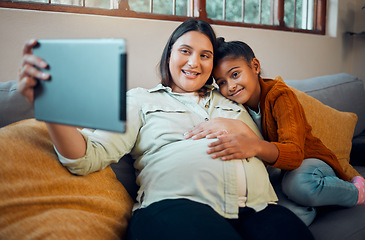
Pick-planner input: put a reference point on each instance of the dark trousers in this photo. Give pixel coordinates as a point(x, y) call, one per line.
point(188, 220)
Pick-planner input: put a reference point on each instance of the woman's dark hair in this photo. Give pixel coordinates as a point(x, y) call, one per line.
point(233, 50)
point(189, 25)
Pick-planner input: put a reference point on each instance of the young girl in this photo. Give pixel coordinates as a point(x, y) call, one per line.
point(314, 176)
point(184, 194)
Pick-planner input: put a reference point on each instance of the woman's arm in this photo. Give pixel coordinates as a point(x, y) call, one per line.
point(67, 140)
point(219, 126)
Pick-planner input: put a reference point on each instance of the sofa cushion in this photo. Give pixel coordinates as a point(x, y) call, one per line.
point(126, 174)
point(340, 91)
point(14, 107)
point(40, 199)
point(337, 223)
point(334, 128)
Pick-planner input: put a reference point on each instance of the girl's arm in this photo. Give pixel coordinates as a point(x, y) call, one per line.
point(289, 133)
point(67, 140)
point(238, 146)
point(236, 140)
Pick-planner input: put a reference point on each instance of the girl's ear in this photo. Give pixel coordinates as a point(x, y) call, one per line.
point(255, 64)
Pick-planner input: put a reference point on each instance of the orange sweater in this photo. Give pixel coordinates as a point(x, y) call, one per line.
point(284, 124)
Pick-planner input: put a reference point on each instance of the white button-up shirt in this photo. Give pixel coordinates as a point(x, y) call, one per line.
point(170, 166)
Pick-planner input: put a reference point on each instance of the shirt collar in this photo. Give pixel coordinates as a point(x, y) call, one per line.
point(161, 87)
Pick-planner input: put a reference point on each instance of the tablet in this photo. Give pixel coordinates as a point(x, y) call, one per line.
point(88, 83)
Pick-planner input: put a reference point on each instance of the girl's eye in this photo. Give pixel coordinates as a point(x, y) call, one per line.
point(235, 75)
point(221, 83)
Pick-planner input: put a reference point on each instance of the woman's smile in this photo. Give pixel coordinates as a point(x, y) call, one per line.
point(190, 74)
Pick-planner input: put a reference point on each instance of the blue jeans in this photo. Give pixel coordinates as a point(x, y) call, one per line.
point(313, 184)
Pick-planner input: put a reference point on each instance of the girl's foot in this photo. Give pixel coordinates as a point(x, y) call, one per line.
point(359, 182)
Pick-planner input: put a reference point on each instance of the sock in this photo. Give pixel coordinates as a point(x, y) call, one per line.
point(359, 182)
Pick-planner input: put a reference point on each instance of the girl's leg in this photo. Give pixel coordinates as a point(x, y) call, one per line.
point(305, 213)
point(315, 184)
point(359, 182)
point(179, 219)
point(274, 222)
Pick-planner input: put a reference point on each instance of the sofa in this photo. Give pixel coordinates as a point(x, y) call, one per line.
point(40, 199)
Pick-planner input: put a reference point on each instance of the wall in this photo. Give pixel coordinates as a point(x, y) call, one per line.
point(359, 41)
point(291, 55)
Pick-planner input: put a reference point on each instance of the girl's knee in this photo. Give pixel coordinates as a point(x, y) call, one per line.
point(302, 187)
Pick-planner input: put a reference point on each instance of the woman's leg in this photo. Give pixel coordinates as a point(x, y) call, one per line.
point(179, 219)
point(274, 222)
point(315, 184)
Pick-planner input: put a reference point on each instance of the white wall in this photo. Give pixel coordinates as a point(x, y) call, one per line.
point(291, 55)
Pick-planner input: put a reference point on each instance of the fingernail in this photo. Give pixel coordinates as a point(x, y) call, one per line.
point(43, 64)
point(45, 75)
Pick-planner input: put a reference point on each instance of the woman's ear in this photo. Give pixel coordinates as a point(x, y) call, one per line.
point(255, 65)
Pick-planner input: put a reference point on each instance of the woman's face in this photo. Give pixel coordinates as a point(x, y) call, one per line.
point(191, 62)
point(238, 81)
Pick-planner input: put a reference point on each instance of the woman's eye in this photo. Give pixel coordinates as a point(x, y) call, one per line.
point(205, 56)
point(184, 51)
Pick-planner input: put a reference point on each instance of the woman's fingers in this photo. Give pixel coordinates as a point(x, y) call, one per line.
point(26, 87)
point(30, 59)
point(28, 46)
point(201, 131)
point(33, 72)
point(217, 134)
point(196, 133)
point(30, 71)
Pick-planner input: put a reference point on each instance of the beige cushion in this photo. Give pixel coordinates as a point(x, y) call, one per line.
point(40, 199)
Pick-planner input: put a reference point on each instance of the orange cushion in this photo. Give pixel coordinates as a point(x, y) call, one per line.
point(334, 128)
point(40, 199)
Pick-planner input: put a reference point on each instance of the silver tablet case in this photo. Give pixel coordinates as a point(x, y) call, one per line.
point(88, 83)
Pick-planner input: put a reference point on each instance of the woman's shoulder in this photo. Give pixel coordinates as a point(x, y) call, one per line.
point(220, 101)
point(137, 90)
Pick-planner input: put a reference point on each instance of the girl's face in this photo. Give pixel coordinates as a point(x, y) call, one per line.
point(191, 62)
point(238, 80)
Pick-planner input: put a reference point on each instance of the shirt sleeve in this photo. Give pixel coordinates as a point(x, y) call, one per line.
point(105, 147)
point(291, 128)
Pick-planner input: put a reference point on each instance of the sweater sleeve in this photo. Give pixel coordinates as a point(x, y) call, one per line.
point(286, 127)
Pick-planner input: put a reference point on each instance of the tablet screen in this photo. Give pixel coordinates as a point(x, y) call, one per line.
point(88, 83)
